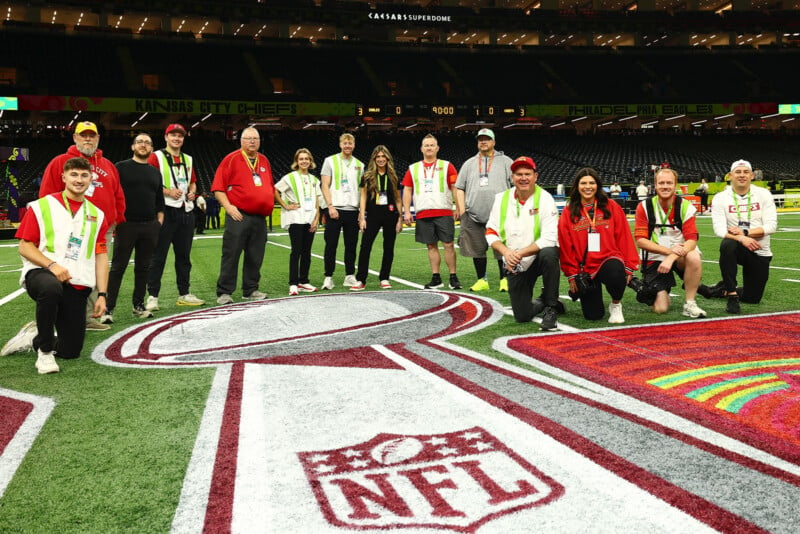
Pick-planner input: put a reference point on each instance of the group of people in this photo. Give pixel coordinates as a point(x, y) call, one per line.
point(149, 202)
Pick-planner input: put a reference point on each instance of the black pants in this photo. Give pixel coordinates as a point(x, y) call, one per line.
point(520, 286)
point(177, 231)
point(380, 219)
point(755, 270)
point(212, 220)
point(249, 236)
point(347, 223)
point(612, 274)
point(132, 236)
point(60, 306)
point(300, 256)
point(200, 220)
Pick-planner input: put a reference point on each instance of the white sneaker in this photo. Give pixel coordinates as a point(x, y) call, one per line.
point(224, 299)
point(23, 341)
point(152, 303)
point(306, 288)
point(46, 363)
point(385, 284)
point(189, 300)
point(615, 313)
point(328, 283)
point(350, 280)
point(357, 287)
point(691, 309)
point(255, 295)
point(293, 291)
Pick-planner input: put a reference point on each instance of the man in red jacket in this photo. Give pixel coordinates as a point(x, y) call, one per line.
point(104, 191)
point(243, 185)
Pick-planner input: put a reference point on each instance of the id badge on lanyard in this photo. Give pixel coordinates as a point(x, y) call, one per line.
point(256, 179)
point(74, 247)
point(484, 180)
point(383, 198)
point(594, 242)
point(92, 185)
point(308, 203)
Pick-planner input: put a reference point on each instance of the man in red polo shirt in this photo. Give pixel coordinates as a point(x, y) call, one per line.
point(243, 185)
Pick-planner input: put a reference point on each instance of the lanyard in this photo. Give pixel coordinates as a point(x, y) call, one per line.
point(662, 215)
point(83, 208)
point(488, 164)
point(736, 202)
point(383, 181)
point(171, 160)
point(425, 168)
point(251, 165)
point(593, 219)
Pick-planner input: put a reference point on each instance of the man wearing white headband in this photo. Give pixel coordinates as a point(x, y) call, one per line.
point(744, 216)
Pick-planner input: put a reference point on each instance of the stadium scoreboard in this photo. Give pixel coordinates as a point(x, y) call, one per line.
point(441, 110)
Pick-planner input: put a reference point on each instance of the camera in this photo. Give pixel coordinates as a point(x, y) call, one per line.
point(645, 293)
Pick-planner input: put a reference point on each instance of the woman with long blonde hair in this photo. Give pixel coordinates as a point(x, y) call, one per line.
point(379, 209)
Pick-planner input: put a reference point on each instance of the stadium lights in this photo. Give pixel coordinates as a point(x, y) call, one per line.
point(579, 119)
point(675, 117)
point(649, 123)
point(698, 123)
point(790, 119)
point(627, 118)
point(411, 126)
point(606, 124)
point(770, 116)
point(723, 116)
point(207, 116)
point(557, 124)
point(132, 125)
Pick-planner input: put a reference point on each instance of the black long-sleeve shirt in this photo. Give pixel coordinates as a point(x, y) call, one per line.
point(141, 184)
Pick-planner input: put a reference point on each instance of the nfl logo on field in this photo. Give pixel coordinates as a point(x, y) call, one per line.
point(457, 480)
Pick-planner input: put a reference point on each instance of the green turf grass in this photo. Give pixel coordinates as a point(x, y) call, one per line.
point(113, 454)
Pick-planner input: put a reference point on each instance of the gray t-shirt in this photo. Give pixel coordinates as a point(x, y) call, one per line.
point(481, 178)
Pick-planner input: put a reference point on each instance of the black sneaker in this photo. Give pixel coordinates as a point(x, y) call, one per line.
point(549, 319)
point(435, 283)
point(733, 304)
point(455, 283)
point(717, 291)
point(560, 308)
point(538, 306)
point(142, 312)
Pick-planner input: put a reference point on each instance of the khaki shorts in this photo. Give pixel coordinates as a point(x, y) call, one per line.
point(472, 239)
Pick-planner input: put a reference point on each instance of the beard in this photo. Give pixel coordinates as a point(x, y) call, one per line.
point(86, 151)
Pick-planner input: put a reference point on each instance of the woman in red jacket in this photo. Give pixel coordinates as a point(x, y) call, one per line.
point(595, 238)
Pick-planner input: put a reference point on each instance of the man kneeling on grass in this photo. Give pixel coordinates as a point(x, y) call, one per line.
point(63, 249)
point(667, 235)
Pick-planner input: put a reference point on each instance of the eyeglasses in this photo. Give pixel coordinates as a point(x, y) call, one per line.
point(142, 142)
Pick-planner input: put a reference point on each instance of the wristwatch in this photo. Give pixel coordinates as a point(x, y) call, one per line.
point(746, 232)
point(102, 294)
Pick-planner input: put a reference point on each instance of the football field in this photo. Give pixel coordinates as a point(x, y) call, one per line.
point(407, 410)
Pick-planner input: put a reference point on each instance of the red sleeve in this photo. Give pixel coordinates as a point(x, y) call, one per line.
point(220, 182)
point(407, 180)
point(640, 230)
point(627, 247)
point(101, 246)
point(29, 228)
point(51, 179)
point(152, 159)
point(119, 196)
point(689, 229)
point(569, 262)
point(452, 174)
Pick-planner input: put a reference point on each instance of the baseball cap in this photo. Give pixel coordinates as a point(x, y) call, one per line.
point(175, 128)
point(523, 161)
point(84, 126)
point(741, 163)
point(487, 132)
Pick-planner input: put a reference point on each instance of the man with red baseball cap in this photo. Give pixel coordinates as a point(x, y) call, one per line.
point(104, 191)
point(179, 185)
point(523, 229)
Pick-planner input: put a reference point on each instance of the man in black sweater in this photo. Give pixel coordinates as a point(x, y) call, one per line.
point(144, 214)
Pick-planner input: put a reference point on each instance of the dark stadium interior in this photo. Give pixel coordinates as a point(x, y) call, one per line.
point(512, 53)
